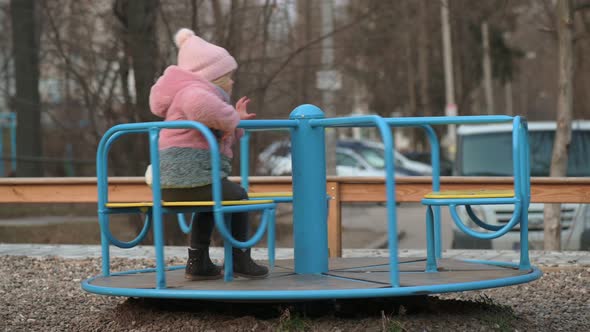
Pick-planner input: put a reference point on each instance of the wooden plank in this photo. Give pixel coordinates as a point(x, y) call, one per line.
point(412, 189)
point(334, 220)
point(409, 189)
point(83, 189)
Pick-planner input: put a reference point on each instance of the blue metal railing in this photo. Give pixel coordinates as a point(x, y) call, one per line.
point(156, 211)
point(307, 127)
point(434, 241)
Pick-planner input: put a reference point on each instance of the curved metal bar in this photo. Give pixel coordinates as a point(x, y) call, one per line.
point(513, 221)
point(443, 120)
point(91, 285)
point(227, 236)
point(153, 129)
point(182, 222)
point(517, 163)
point(268, 124)
point(102, 161)
point(479, 222)
point(525, 169)
point(435, 164)
point(270, 237)
point(469, 201)
point(385, 132)
point(128, 244)
point(430, 244)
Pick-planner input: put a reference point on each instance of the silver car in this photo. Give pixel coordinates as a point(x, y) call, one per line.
point(352, 159)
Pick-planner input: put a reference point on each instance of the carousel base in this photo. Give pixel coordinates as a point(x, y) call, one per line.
point(346, 278)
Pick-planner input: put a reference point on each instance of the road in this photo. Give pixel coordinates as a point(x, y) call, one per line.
point(365, 226)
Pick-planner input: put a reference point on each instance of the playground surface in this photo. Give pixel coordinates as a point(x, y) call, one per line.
point(40, 290)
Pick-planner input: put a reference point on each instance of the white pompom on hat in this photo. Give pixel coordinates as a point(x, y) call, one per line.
point(203, 58)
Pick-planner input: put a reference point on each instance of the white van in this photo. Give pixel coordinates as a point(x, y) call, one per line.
point(485, 150)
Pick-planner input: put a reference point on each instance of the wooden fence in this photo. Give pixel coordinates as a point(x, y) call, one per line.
point(342, 189)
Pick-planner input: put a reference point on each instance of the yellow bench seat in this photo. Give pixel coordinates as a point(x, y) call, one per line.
point(115, 205)
point(475, 193)
point(271, 194)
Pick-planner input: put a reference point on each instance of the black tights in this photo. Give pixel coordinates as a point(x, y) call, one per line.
point(203, 227)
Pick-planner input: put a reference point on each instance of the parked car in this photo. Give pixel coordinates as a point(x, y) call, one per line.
point(353, 158)
point(409, 166)
point(484, 150)
point(446, 165)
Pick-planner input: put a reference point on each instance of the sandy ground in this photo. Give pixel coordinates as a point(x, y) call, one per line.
point(45, 295)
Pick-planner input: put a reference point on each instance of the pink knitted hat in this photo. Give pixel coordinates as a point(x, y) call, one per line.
point(203, 58)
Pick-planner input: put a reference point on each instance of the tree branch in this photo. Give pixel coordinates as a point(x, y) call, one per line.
point(313, 42)
point(582, 5)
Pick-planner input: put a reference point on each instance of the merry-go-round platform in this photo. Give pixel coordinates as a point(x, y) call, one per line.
point(347, 278)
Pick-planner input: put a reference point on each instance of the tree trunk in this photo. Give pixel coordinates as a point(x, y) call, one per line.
point(487, 69)
point(139, 22)
point(27, 99)
point(139, 37)
point(195, 17)
point(563, 132)
point(416, 138)
point(508, 96)
point(141, 33)
point(423, 50)
point(219, 21)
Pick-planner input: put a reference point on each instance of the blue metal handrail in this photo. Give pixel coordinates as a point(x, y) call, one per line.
point(518, 166)
point(128, 244)
point(257, 125)
point(387, 138)
point(153, 129)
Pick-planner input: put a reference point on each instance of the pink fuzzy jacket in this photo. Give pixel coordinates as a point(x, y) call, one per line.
point(183, 95)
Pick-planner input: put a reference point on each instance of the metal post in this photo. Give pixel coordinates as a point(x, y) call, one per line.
point(244, 159)
point(310, 211)
point(157, 214)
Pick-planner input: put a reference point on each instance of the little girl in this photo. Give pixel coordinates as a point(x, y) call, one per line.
point(198, 89)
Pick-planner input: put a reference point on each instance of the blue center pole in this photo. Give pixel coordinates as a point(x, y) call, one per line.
point(244, 160)
point(310, 211)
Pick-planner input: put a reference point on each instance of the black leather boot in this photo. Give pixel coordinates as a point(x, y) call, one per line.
point(245, 267)
point(200, 267)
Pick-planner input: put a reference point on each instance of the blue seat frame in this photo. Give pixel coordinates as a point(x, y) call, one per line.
point(306, 125)
point(154, 213)
point(520, 200)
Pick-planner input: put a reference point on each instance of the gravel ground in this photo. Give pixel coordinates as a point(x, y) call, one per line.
point(45, 295)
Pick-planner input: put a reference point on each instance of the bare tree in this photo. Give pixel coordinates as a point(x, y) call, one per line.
point(423, 58)
point(565, 32)
point(138, 20)
point(27, 100)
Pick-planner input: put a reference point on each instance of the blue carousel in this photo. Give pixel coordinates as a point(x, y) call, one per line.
point(311, 274)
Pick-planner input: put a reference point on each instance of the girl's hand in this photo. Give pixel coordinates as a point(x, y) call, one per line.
point(242, 108)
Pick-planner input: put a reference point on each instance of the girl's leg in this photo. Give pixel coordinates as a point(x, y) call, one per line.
point(244, 266)
point(202, 229)
point(199, 265)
